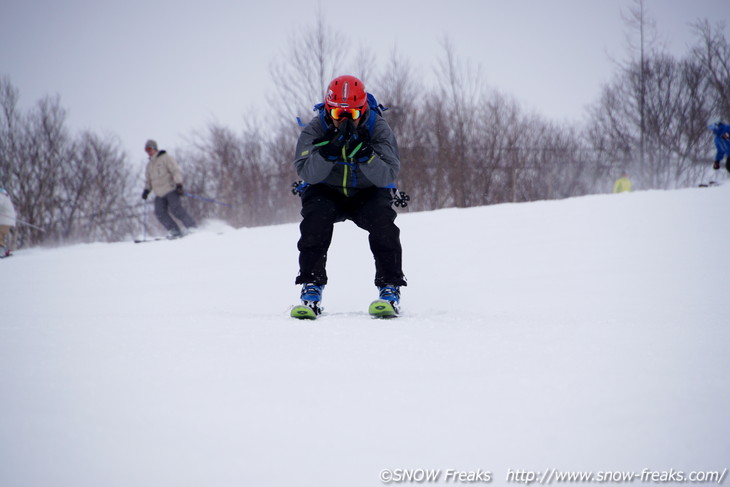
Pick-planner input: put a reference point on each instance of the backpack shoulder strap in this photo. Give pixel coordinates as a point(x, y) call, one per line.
point(370, 122)
point(319, 107)
point(375, 110)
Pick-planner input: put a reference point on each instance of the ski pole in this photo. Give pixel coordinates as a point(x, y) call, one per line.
point(18, 220)
point(209, 200)
point(144, 222)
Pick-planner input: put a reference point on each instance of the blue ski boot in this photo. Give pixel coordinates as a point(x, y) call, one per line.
point(311, 298)
point(388, 305)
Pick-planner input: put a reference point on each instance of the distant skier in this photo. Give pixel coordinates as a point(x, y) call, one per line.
point(7, 222)
point(722, 143)
point(348, 159)
point(623, 184)
point(164, 177)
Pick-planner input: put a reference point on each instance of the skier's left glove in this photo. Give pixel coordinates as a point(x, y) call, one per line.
point(179, 189)
point(716, 165)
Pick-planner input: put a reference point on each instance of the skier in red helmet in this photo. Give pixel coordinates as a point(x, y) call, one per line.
point(349, 157)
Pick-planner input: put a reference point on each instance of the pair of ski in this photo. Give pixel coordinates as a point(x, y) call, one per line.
point(708, 185)
point(379, 308)
point(157, 239)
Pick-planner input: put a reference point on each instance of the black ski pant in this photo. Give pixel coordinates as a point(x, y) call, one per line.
point(370, 209)
point(170, 204)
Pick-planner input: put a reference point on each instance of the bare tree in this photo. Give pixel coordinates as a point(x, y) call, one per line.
point(399, 89)
point(504, 155)
point(644, 26)
point(73, 188)
point(465, 145)
point(42, 153)
point(651, 118)
point(713, 54)
point(459, 126)
point(675, 110)
point(96, 183)
point(238, 178)
point(462, 144)
point(301, 74)
point(10, 130)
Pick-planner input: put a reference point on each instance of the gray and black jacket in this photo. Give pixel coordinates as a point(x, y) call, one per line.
point(346, 176)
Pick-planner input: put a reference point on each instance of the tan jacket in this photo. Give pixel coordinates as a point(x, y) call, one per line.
point(162, 174)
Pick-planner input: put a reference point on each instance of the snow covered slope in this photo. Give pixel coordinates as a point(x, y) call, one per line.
point(586, 334)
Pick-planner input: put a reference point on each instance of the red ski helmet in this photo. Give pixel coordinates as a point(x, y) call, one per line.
point(346, 96)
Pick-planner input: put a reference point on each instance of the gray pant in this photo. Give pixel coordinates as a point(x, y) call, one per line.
point(171, 204)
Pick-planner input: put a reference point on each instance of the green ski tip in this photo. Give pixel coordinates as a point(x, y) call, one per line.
point(381, 308)
point(302, 312)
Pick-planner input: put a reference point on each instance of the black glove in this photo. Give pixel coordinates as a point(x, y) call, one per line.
point(358, 147)
point(716, 165)
point(179, 189)
point(330, 145)
point(145, 194)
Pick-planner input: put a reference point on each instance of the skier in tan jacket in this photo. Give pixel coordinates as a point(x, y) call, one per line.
point(164, 178)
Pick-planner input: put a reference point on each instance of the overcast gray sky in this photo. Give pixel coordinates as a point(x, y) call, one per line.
point(163, 69)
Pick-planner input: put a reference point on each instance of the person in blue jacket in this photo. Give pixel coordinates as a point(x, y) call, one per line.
point(722, 143)
point(349, 157)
